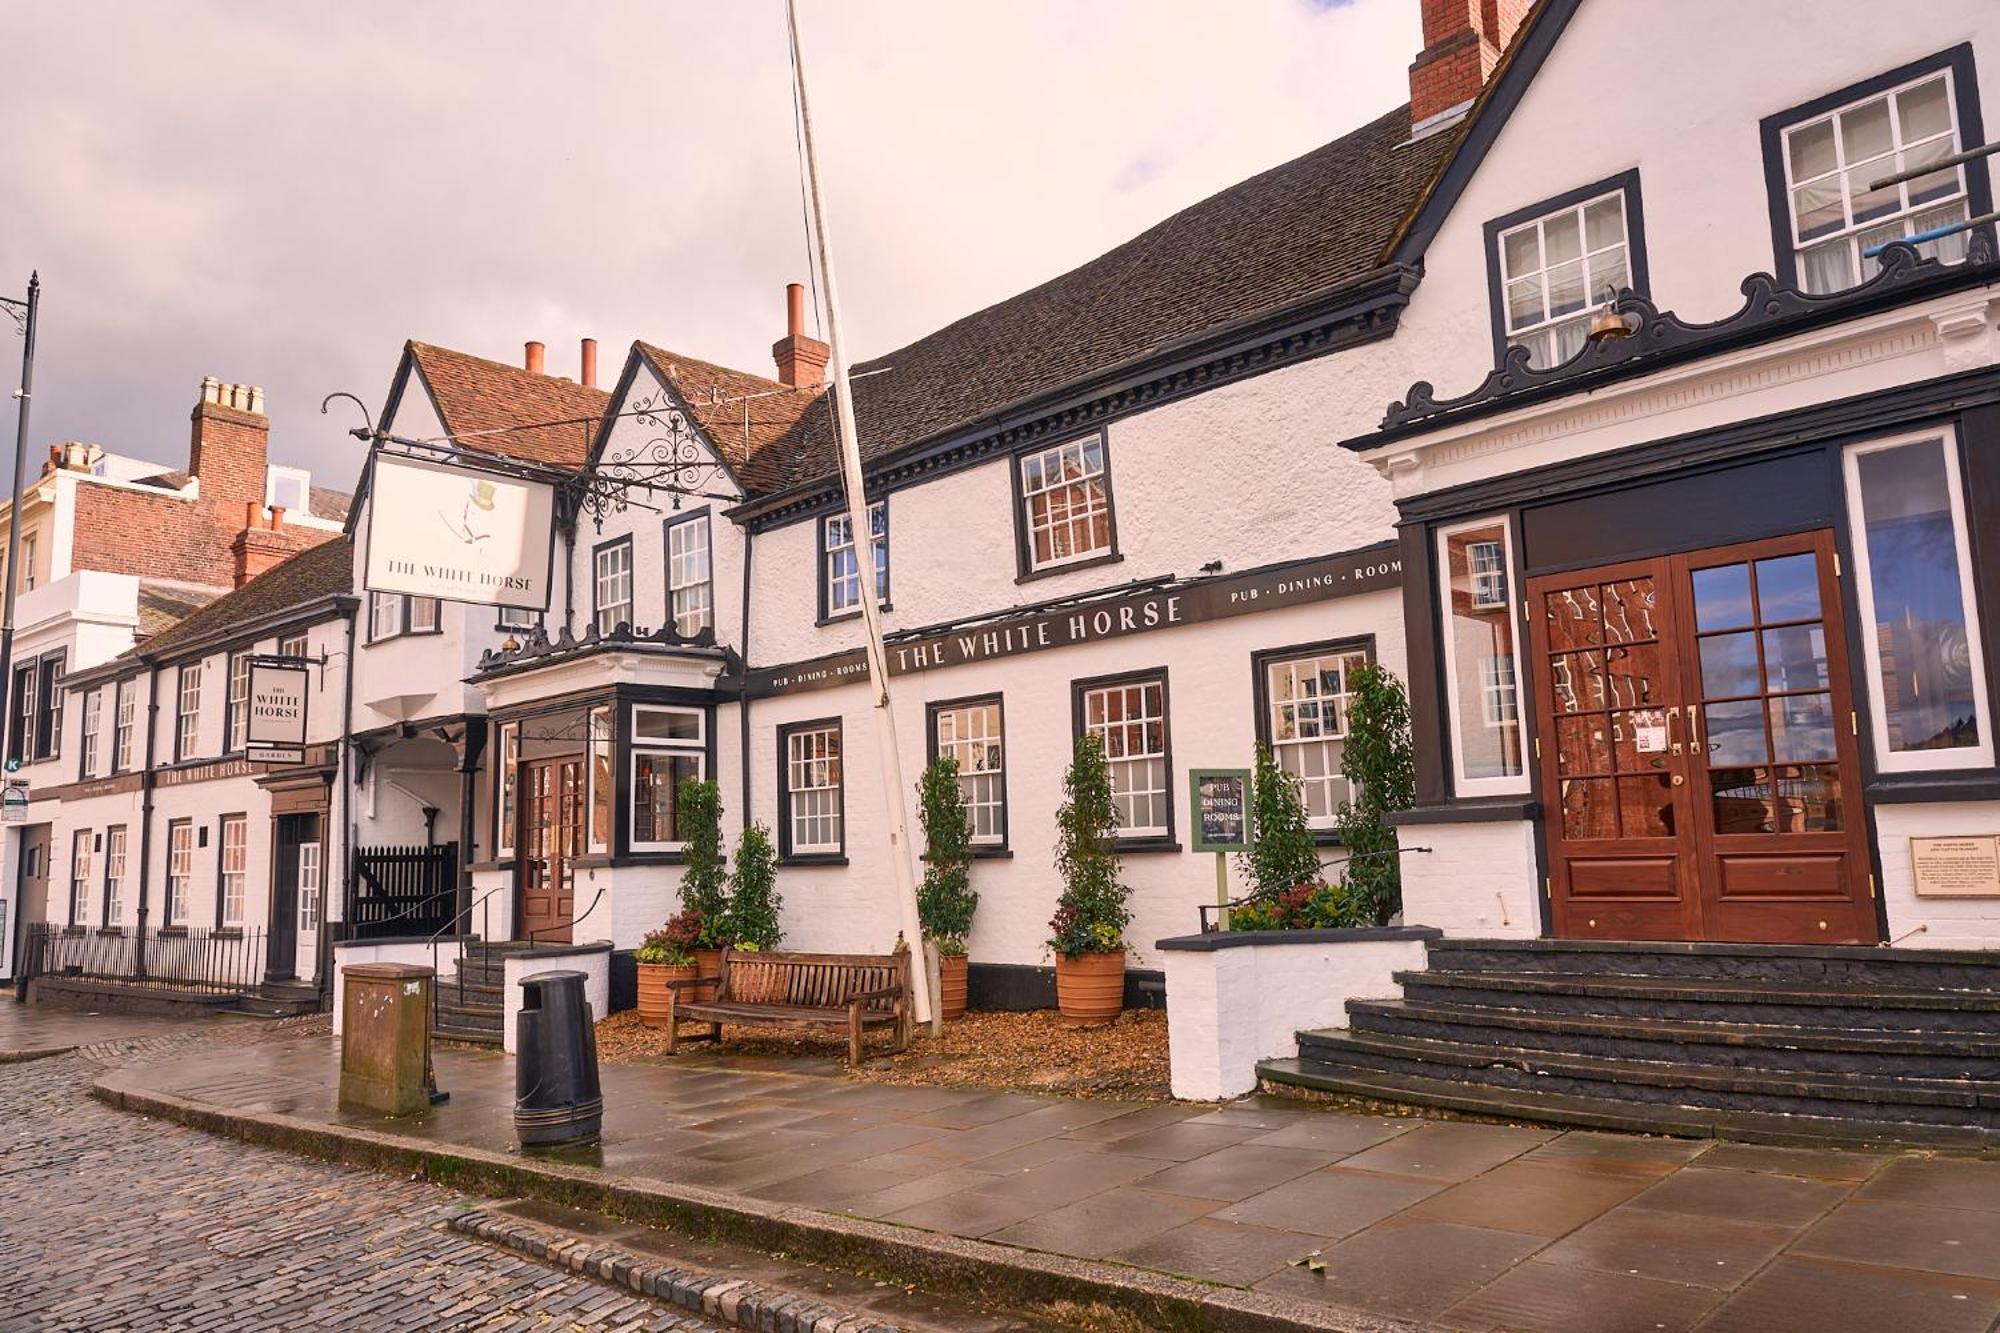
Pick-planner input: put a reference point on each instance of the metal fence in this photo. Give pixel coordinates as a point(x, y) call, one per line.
point(171, 959)
point(403, 890)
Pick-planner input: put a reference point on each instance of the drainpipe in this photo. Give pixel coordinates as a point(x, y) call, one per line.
point(146, 817)
point(569, 569)
point(343, 775)
point(743, 683)
point(476, 732)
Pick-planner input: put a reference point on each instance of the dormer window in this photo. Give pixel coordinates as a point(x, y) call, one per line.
point(1556, 264)
point(289, 489)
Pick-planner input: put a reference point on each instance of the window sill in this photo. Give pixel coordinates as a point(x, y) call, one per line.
point(1478, 810)
point(227, 933)
point(76, 930)
point(992, 853)
point(842, 617)
point(173, 932)
point(1977, 784)
point(1130, 846)
point(1111, 557)
point(115, 932)
point(814, 859)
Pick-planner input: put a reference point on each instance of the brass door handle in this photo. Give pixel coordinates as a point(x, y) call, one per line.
point(1673, 716)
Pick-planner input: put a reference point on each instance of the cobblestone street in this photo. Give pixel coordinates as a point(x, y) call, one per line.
point(112, 1221)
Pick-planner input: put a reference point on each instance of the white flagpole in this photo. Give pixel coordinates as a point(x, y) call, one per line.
point(894, 796)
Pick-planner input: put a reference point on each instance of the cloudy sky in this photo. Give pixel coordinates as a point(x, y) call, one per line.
point(280, 194)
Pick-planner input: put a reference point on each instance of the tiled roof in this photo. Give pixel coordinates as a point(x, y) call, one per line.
point(474, 395)
point(322, 571)
point(327, 503)
point(166, 481)
point(752, 420)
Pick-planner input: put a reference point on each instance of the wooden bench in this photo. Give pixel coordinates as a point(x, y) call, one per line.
point(852, 990)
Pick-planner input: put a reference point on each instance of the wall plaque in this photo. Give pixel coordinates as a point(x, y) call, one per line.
point(1965, 867)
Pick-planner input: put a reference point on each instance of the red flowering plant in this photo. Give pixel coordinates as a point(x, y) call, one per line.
point(673, 946)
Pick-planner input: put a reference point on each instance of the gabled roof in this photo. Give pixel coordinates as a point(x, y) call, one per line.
point(313, 575)
point(752, 420)
point(474, 395)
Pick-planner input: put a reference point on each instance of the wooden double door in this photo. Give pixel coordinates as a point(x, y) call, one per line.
point(552, 837)
point(1697, 750)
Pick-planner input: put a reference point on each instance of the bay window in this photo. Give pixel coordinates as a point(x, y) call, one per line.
point(597, 834)
point(1482, 657)
point(506, 779)
point(669, 747)
point(811, 822)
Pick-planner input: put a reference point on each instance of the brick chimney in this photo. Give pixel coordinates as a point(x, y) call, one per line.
point(801, 360)
point(230, 444)
point(259, 546)
point(1463, 41)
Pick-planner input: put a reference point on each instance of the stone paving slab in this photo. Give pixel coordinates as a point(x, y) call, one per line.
point(37, 1031)
point(1447, 1223)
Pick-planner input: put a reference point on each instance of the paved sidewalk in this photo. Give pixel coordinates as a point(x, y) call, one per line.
point(1462, 1225)
point(34, 1031)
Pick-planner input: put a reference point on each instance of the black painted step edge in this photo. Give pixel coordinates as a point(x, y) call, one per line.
point(1705, 992)
point(1707, 948)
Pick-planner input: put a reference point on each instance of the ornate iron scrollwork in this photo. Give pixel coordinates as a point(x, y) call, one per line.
point(673, 460)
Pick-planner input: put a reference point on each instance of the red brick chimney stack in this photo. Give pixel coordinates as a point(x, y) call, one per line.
point(230, 443)
point(588, 371)
point(801, 360)
point(532, 360)
point(1463, 41)
point(260, 546)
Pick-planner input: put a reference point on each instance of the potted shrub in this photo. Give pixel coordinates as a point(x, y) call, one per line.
point(1087, 934)
point(1379, 764)
point(665, 955)
point(1286, 854)
point(704, 882)
point(946, 900)
point(750, 919)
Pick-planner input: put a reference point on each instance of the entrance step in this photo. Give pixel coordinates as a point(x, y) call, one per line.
point(471, 1003)
point(1776, 1043)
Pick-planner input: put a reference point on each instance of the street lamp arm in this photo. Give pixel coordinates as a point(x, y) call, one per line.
point(366, 430)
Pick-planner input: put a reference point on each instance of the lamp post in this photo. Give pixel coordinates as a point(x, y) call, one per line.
point(25, 313)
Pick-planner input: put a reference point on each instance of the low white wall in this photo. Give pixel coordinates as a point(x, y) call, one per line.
point(1238, 997)
point(1930, 922)
point(593, 960)
point(1474, 879)
point(347, 953)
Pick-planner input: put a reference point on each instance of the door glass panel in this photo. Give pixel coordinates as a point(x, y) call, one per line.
point(1722, 597)
point(1590, 808)
point(1639, 738)
point(1578, 679)
point(1628, 611)
point(1795, 657)
point(1742, 800)
point(1728, 665)
point(1646, 807)
point(1735, 733)
point(1808, 798)
point(1572, 619)
point(1632, 674)
point(1788, 588)
point(1583, 744)
point(1802, 726)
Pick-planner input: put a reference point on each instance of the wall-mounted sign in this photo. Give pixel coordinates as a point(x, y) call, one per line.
point(465, 536)
point(1966, 867)
point(276, 731)
point(1166, 606)
point(14, 803)
point(1220, 799)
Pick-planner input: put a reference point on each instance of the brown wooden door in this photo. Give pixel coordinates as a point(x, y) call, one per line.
point(552, 827)
point(1696, 750)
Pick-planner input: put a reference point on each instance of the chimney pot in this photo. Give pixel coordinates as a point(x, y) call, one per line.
point(795, 310)
point(533, 360)
point(589, 370)
point(801, 360)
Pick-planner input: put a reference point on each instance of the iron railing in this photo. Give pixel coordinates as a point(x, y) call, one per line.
point(172, 958)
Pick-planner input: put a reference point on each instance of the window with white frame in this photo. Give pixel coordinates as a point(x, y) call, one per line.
point(93, 721)
point(1831, 163)
point(235, 862)
point(1558, 270)
point(1065, 503)
point(840, 568)
point(1129, 718)
point(1481, 658)
point(669, 747)
point(310, 880)
point(602, 793)
point(1305, 723)
point(237, 721)
point(294, 645)
point(690, 578)
point(180, 871)
point(422, 615)
point(28, 544)
point(517, 617)
point(1922, 642)
point(288, 488)
point(79, 877)
point(385, 615)
point(813, 814)
point(969, 734)
point(187, 720)
point(114, 874)
point(49, 705)
point(613, 585)
point(121, 726)
point(506, 780)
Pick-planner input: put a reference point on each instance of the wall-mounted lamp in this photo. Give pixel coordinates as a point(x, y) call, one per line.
point(1607, 323)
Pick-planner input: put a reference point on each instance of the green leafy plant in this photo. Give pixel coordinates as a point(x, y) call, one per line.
point(704, 882)
point(1091, 915)
point(1309, 906)
point(674, 944)
point(750, 920)
point(946, 899)
point(1285, 853)
point(1379, 764)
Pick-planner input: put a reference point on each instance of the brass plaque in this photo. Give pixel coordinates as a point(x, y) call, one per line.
point(1967, 867)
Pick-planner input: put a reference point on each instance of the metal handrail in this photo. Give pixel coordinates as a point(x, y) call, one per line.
point(571, 923)
point(459, 920)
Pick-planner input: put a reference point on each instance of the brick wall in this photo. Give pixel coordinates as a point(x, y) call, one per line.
point(229, 449)
point(122, 531)
point(1463, 41)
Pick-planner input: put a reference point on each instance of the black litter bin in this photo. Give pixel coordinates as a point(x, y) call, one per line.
point(557, 1099)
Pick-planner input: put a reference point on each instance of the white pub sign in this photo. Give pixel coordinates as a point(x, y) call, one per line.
point(276, 730)
point(465, 536)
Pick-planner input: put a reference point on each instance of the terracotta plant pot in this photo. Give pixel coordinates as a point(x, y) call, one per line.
point(951, 987)
point(709, 964)
point(654, 997)
point(1090, 988)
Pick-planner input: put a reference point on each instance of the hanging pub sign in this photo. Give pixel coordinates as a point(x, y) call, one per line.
point(276, 730)
point(436, 530)
point(1220, 798)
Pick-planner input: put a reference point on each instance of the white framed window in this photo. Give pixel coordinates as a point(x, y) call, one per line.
point(235, 861)
point(1482, 659)
point(814, 802)
point(613, 584)
point(114, 874)
point(840, 568)
point(690, 576)
point(1305, 723)
point(1559, 269)
point(669, 747)
point(506, 783)
point(1831, 161)
point(294, 645)
point(187, 721)
point(970, 733)
point(79, 877)
point(517, 617)
point(121, 726)
point(311, 878)
point(597, 834)
point(237, 721)
point(1921, 640)
point(385, 615)
point(1129, 718)
point(1065, 503)
point(180, 871)
point(93, 720)
point(288, 488)
point(29, 541)
point(423, 615)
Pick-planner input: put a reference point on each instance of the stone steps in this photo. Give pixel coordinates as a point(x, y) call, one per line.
point(471, 1003)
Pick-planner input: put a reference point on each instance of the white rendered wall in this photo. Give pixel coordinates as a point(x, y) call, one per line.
point(1229, 1008)
point(1934, 923)
point(593, 960)
point(351, 953)
point(1475, 879)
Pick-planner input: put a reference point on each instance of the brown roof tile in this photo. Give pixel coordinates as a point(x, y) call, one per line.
point(322, 571)
point(494, 408)
point(754, 421)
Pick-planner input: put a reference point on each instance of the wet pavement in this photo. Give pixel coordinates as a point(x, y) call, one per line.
point(1460, 1225)
point(29, 1031)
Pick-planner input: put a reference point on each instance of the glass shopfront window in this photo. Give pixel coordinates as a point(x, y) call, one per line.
point(1482, 678)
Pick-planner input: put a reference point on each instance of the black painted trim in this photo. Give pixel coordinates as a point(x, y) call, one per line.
point(998, 700)
point(1241, 939)
point(1261, 662)
point(1637, 275)
point(1159, 842)
point(785, 854)
point(1021, 987)
point(1476, 810)
point(1024, 561)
